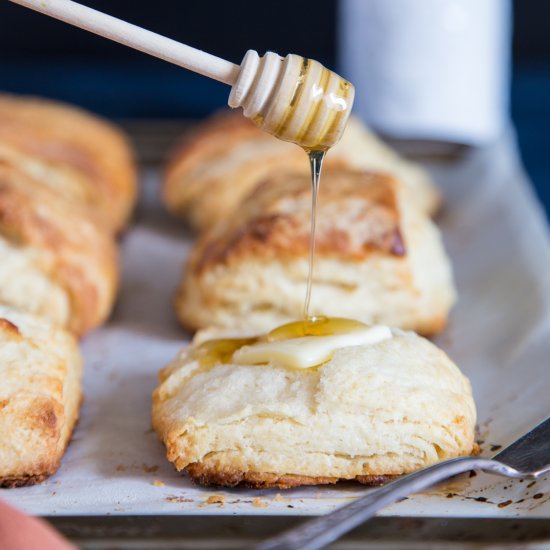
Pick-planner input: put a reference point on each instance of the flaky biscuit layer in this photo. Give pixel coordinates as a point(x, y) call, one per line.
point(40, 395)
point(378, 259)
point(380, 410)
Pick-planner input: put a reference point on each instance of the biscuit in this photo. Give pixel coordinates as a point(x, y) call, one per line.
point(377, 259)
point(223, 159)
point(55, 261)
point(369, 413)
point(40, 394)
point(78, 155)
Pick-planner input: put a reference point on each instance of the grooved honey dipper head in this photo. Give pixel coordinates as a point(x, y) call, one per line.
point(294, 98)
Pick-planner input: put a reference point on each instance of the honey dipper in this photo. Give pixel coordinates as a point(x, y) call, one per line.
point(293, 98)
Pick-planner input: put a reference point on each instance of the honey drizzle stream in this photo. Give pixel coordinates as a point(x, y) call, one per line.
point(316, 163)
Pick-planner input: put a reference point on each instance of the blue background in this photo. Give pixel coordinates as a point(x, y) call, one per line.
point(45, 57)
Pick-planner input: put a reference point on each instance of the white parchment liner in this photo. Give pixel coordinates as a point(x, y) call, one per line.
point(499, 335)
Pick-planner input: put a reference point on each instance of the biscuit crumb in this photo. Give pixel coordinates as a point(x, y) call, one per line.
point(150, 469)
point(279, 498)
point(258, 503)
point(215, 499)
point(176, 498)
point(158, 483)
point(504, 504)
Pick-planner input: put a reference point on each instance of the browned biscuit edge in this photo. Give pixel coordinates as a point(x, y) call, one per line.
point(12, 482)
point(207, 476)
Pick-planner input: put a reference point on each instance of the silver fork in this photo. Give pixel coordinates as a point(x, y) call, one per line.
point(528, 457)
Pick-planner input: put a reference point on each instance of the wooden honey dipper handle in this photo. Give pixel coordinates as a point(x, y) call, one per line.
point(136, 37)
point(283, 96)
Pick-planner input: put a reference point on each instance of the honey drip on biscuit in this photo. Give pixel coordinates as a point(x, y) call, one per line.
point(316, 158)
point(214, 352)
point(318, 326)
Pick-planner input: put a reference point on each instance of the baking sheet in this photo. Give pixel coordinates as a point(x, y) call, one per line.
point(499, 335)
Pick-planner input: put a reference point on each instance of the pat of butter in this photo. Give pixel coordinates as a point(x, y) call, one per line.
point(308, 351)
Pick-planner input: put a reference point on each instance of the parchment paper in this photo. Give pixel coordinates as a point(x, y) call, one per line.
point(499, 335)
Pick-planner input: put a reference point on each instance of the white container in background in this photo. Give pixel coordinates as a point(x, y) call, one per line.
point(428, 69)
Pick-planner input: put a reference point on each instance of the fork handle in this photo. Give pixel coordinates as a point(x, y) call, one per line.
point(323, 530)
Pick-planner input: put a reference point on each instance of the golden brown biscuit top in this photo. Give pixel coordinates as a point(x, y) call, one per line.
point(222, 133)
point(31, 214)
point(82, 255)
point(9, 330)
point(217, 138)
point(60, 135)
point(230, 126)
point(357, 215)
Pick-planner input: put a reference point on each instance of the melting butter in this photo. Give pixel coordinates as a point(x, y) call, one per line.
point(300, 344)
point(307, 351)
